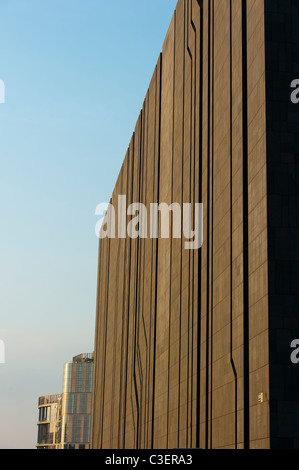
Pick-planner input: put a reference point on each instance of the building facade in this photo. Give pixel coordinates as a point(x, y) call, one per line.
point(49, 422)
point(76, 402)
point(65, 419)
point(192, 347)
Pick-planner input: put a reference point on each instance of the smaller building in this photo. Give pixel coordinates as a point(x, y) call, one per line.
point(65, 419)
point(76, 402)
point(49, 422)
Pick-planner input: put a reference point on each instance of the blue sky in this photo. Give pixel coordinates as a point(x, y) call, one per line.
point(76, 73)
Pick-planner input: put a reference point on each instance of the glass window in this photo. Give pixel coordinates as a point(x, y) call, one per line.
point(86, 429)
point(71, 403)
point(89, 377)
point(83, 403)
point(79, 377)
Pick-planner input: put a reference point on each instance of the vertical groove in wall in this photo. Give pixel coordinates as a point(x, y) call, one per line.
point(182, 200)
point(170, 264)
point(145, 425)
point(245, 223)
point(157, 252)
point(105, 342)
point(125, 316)
point(231, 233)
point(134, 313)
point(153, 272)
point(132, 147)
point(140, 304)
point(115, 324)
point(188, 327)
point(208, 231)
point(137, 285)
point(198, 411)
point(122, 334)
point(212, 223)
point(150, 306)
point(194, 76)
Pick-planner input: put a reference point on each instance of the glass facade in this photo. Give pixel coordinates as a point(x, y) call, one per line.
point(48, 413)
point(64, 420)
point(67, 377)
point(49, 422)
point(77, 397)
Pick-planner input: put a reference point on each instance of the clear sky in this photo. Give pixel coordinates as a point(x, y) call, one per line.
point(76, 73)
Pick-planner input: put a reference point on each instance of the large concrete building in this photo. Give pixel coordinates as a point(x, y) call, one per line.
point(192, 347)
